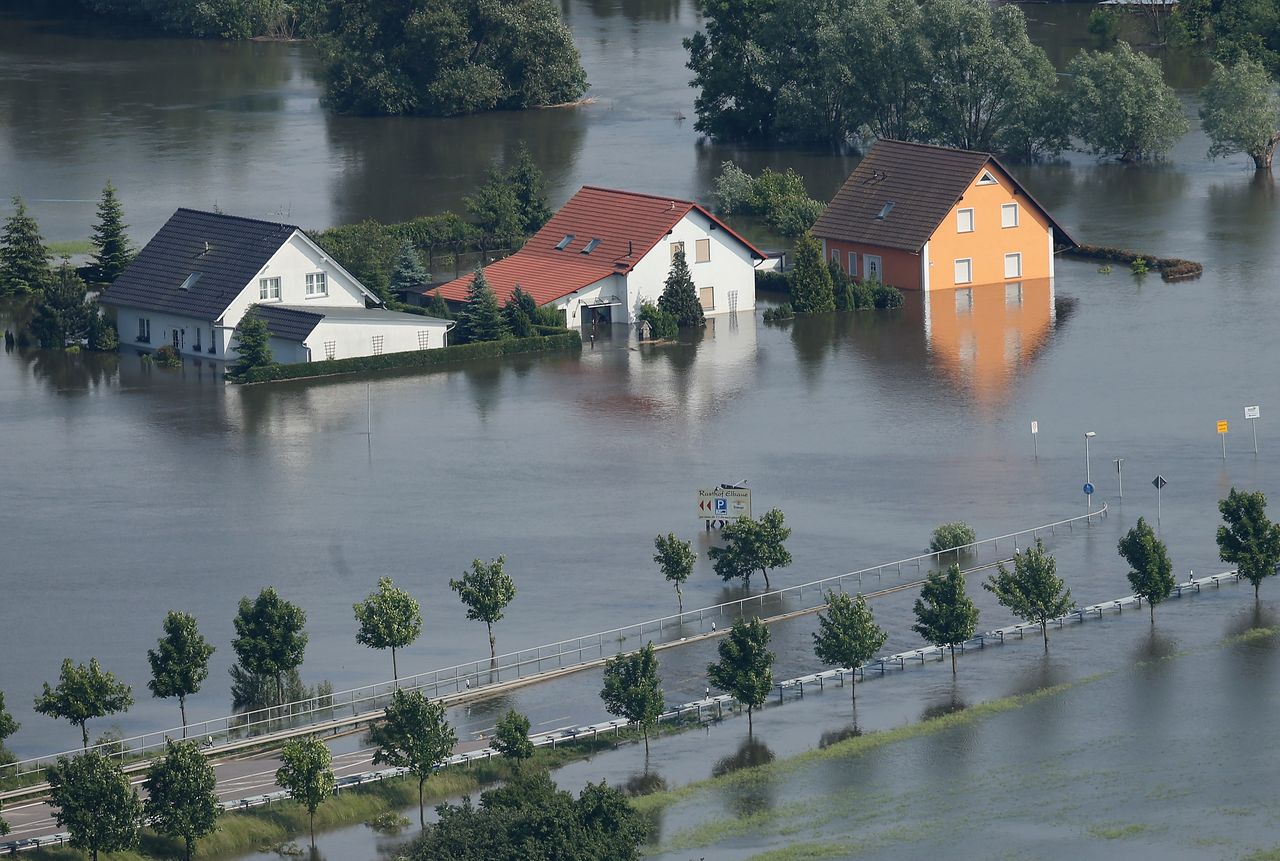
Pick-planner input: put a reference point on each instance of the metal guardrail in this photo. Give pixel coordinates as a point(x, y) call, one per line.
point(239, 728)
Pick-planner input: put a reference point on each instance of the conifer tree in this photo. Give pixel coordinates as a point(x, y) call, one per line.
point(409, 273)
point(679, 297)
point(437, 307)
point(519, 313)
point(24, 258)
point(481, 318)
point(110, 243)
point(61, 313)
point(530, 188)
point(811, 289)
point(253, 342)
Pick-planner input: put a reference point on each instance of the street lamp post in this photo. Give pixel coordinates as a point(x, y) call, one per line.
point(1088, 467)
point(1120, 474)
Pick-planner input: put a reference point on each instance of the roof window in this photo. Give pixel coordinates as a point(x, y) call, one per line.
point(591, 246)
point(191, 281)
point(885, 210)
point(986, 178)
point(564, 243)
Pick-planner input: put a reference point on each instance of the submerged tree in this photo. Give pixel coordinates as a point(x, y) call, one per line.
point(182, 795)
point(180, 661)
point(409, 274)
point(811, 289)
point(1033, 591)
point(62, 314)
point(511, 737)
point(1151, 572)
point(96, 804)
point(307, 775)
point(111, 250)
point(389, 619)
point(84, 693)
point(632, 689)
point(675, 560)
point(486, 590)
point(1241, 112)
point(270, 637)
point(847, 635)
point(1248, 539)
point(945, 614)
point(679, 295)
point(480, 318)
point(415, 736)
point(752, 545)
point(745, 668)
point(1122, 106)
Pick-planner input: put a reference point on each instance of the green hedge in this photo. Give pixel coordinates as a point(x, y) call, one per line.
point(1171, 268)
point(564, 340)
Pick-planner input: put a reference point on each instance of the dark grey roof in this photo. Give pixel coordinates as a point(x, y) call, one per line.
point(293, 324)
point(226, 250)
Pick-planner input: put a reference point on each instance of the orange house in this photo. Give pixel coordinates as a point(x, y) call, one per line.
point(924, 217)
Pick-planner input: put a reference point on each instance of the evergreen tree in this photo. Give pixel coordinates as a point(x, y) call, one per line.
point(847, 635)
point(945, 615)
point(253, 342)
point(24, 258)
point(530, 189)
point(679, 297)
point(437, 307)
point(519, 313)
point(110, 243)
point(103, 337)
point(481, 318)
point(62, 313)
point(409, 273)
point(1150, 571)
point(811, 288)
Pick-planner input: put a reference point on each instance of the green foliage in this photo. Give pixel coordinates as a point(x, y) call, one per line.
point(480, 318)
point(389, 619)
point(486, 590)
point(111, 250)
point(447, 57)
point(62, 313)
point(945, 615)
point(414, 735)
point(780, 197)
point(1240, 112)
point(662, 324)
point(632, 689)
point(103, 337)
point(512, 202)
point(883, 296)
point(680, 297)
point(1104, 26)
point(8, 726)
point(1033, 592)
point(779, 314)
point(409, 273)
point(167, 356)
point(847, 634)
point(511, 736)
point(811, 289)
point(307, 775)
point(252, 343)
point(437, 307)
point(1150, 571)
point(1248, 539)
point(675, 560)
point(1234, 28)
point(745, 668)
point(24, 258)
point(182, 794)
point(95, 803)
point(254, 691)
point(370, 250)
point(84, 693)
point(752, 545)
point(270, 637)
point(217, 19)
point(1121, 105)
point(949, 536)
point(519, 313)
point(1138, 266)
point(180, 661)
point(529, 818)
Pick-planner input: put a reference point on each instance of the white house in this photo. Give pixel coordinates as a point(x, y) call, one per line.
point(202, 271)
point(606, 251)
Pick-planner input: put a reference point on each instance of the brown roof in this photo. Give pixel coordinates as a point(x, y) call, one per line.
point(922, 182)
point(625, 223)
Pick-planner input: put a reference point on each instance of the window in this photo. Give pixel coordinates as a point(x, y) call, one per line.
point(268, 288)
point(564, 243)
point(197, 345)
point(1013, 266)
point(377, 345)
point(1009, 215)
point(330, 349)
point(676, 248)
point(987, 178)
point(853, 264)
point(317, 284)
point(191, 281)
point(964, 270)
point(144, 330)
point(964, 300)
point(884, 211)
point(707, 298)
point(424, 339)
point(964, 221)
point(702, 251)
point(591, 246)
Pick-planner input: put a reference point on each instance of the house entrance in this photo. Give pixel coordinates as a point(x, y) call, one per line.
point(177, 338)
point(598, 317)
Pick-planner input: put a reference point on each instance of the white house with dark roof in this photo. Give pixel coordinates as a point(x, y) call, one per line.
point(202, 271)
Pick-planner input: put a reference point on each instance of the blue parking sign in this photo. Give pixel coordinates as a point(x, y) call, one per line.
point(722, 505)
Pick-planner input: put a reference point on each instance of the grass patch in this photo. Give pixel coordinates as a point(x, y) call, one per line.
point(1118, 832)
point(1263, 855)
point(804, 852)
point(71, 247)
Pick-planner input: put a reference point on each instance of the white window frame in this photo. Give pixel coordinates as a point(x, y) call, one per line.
point(967, 263)
point(853, 264)
point(698, 246)
point(1016, 259)
point(144, 330)
point(317, 284)
point(873, 267)
point(987, 179)
point(960, 213)
point(269, 289)
point(1005, 210)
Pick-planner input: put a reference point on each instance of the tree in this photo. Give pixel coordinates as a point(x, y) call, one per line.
point(447, 57)
point(103, 337)
point(180, 661)
point(745, 668)
point(945, 615)
point(84, 693)
point(389, 619)
point(481, 318)
point(95, 803)
point(811, 289)
point(1151, 572)
point(632, 689)
point(182, 794)
point(8, 726)
point(952, 536)
point(413, 735)
point(675, 560)
point(111, 251)
point(62, 314)
point(732, 72)
point(24, 258)
point(679, 296)
point(662, 325)
point(307, 775)
point(519, 313)
point(511, 737)
point(531, 191)
point(1122, 106)
point(1241, 112)
point(1033, 592)
point(252, 342)
point(752, 545)
point(512, 202)
point(486, 590)
point(270, 637)
point(847, 635)
point(1248, 539)
point(409, 274)
point(1235, 27)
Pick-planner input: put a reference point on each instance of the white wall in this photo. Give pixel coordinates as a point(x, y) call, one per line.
point(355, 338)
point(290, 264)
point(608, 286)
point(162, 326)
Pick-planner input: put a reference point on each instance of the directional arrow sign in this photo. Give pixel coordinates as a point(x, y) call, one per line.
point(1088, 489)
point(1158, 482)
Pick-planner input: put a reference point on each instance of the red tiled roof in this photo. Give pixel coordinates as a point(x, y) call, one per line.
point(627, 225)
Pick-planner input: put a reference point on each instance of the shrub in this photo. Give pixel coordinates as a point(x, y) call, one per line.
point(103, 337)
point(864, 294)
point(167, 356)
point(662, 323)
point(1138, 266)
point(779, 314)
point(949, 536)
point(773, 281)
point(885, 296)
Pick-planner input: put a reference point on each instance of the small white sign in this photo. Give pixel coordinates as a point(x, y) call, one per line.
point(1035, 426)
point(1253, 412)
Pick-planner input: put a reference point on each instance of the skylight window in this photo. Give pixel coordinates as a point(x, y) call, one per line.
point(191, 281)
point(591, 246)
point(564, 243)
point(885, 210)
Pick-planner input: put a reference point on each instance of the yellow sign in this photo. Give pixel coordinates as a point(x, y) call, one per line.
point(1222, 427)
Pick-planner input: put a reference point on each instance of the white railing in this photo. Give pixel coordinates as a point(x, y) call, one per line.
point(241, 729)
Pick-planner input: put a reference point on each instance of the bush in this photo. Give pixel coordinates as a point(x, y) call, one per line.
point(662, 323)
point(779, 314)
point(864, 294)
point(1171, 268)
point(949, 536)
point(780, 197)
point(773, 281)
point(885, 296)
point(103, 337)
point(167, 356)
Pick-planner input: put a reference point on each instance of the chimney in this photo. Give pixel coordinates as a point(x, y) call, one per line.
point(673, 207)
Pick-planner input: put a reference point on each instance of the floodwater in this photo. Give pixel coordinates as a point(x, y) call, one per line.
point(127, 491)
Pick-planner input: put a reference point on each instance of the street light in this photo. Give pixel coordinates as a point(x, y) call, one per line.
point(1088, 467)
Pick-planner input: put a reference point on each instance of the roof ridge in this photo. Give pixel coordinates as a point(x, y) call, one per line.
point(237, 217)
point(930, 146)
point(621, 191)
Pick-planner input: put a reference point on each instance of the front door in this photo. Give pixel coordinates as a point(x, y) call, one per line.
point(871, 267)
point(177, 339)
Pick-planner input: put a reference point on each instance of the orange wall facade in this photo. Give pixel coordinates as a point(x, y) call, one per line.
point(899, 268)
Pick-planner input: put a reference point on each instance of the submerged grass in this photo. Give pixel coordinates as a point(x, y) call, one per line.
point(1118, 831)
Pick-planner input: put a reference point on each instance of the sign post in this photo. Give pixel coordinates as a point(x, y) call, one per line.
point(1035, 437)
point(722, 504)
point(1222, 432)
point(1120, 474)
point(1158, 483)
point(1253, 414)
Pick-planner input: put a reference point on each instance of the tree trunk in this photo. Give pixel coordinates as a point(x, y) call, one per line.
point(853, 686)
point(395, 673)
point(422, 803)
point(190, 847)
point(84, 734)
point(749, 728)
point(953, 659)
point(645, 729)
point(765, 572)
point(1151, 605)
point(1262, 160)
point(313, 829)
point(493, 648)
point(1044, 630)
point(1255, 591)
point(279, 696)
point(679, 597)
point(182, 707)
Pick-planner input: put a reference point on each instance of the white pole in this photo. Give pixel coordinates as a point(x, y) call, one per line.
point(1224, 445)
point(1159, 510)
point(1253, 423)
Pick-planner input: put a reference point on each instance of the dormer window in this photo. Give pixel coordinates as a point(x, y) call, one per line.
point(591, 246)
point(191, 281)
point(564, 243)
point(986, 178)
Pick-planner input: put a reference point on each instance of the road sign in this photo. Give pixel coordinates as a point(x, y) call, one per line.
point(1158, 482)
point(724, 503)
point(1088, 489)
point(1035, 426)
point(1253, 412)
point(1222, 426)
